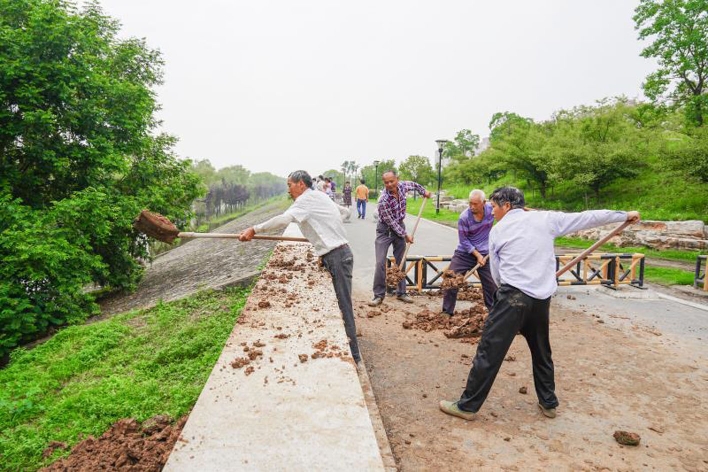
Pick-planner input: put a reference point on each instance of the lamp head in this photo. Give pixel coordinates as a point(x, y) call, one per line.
point(441, 144)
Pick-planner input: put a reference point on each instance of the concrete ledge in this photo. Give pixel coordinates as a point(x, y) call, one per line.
point(298, 405)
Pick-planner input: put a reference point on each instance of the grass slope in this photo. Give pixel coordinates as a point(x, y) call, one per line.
point(134, 365)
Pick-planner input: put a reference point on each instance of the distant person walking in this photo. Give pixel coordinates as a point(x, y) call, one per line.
point(473, 229)
point(390, 230)
point(347, 194)
point(523, 265)
point(362, 196)
point(320, 221)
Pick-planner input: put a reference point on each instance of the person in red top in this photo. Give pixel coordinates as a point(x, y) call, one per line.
point(390, 230)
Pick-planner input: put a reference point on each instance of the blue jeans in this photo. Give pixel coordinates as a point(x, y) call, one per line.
point(361, 208)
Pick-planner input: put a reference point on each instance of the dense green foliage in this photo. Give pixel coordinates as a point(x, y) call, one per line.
point(678, 31)
point(78, 160)
point(135, 365)
point(616, 154)
point(417, 169)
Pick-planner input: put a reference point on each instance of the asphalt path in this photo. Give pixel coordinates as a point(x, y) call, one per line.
point(430, 239)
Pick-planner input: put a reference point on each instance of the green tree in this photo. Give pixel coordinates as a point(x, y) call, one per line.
point(205, 171)
point(594, 146)
point(462, 147)
point(678, 31)
point(79, 158)
point(689, 155)
point(417, 169)
point(519, 143)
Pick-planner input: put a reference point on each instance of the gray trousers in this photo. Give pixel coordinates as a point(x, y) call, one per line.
point(386, 237)
point(339, 263)
point(462, 262)
point(513, 312)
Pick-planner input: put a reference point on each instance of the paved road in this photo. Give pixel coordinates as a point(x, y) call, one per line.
point(430, 239)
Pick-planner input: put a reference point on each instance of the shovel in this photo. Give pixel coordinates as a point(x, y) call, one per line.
point(162, 229)
point(474, 269)
point(408, 245)
point(582, 255)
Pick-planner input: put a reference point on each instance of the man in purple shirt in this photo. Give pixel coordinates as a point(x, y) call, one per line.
point(523, 265)
point(390, 230)
point(473, 229)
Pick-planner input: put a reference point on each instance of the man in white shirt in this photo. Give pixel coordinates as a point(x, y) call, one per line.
point(320, 221)
point(523, 266)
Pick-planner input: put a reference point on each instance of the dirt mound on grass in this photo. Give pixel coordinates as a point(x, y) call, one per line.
point(127, 445)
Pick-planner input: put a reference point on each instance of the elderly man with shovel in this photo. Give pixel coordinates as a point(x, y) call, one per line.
point(390, 230)
point(473, 229)
point(523, 265)
point(320, 221)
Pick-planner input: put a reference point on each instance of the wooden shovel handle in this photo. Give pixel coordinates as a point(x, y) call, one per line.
point(474, 269)
point(236, 236)
point(582, 255)
point(408, 245)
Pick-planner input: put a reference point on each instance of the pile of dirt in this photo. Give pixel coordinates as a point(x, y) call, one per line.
point(394, 275)
point(466, 325)
point(125, 446)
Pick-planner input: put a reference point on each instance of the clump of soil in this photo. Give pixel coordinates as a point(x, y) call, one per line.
point(240, 362)
point(263, 304)
point(627, 438)
point(466, 325)
point(452, 280)
point(394, 275)
point(126, 445)
point(324, 349)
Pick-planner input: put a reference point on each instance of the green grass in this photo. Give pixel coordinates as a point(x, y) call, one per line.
point(445, 216)
point(669, 254)
point(668, 276)
point(134, 365)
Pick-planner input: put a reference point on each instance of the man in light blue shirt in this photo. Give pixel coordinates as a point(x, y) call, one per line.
point(523, 265)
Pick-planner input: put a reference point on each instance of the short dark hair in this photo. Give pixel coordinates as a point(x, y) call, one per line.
point(301, 176)
point(363, 182)
point(393, 171)
point(511, 195)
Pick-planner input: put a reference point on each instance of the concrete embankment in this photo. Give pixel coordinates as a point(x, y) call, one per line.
point(285, 393)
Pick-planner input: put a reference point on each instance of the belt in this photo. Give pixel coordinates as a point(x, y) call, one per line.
point(335, 249)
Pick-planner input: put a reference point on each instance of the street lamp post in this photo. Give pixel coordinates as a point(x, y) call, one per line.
point(441, 146)
point(376, 179)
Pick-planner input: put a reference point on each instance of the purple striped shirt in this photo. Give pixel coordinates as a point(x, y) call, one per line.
point(392, 210)
point(475, 234)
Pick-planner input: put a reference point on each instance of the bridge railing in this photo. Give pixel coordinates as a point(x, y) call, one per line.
point(699, 278)
point(609, 269)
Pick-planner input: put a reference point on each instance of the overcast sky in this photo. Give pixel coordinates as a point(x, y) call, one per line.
point(280, 85)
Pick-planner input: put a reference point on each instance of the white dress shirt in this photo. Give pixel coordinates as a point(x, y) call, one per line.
point(521, 250)
point(317, 216)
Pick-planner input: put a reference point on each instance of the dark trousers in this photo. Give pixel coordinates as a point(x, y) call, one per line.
point(340, 262)
point(462, 262)
point(386, 237)
point(361, 207)
point(513, 312)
